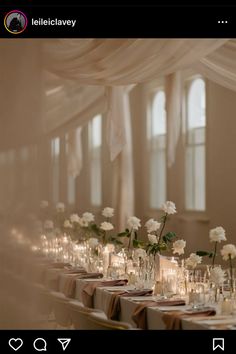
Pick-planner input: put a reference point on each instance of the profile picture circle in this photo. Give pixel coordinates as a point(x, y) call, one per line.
point(15, 22)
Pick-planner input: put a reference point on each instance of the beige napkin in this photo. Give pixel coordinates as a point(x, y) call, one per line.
point(140, 313)
point(173, 320)
point(114, 305)
point(89, 289)
point(70, 282)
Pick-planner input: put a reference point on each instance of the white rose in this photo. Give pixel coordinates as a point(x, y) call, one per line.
point(152, 239)
point(93, 242)
point(217, 234)
point(106, 226)
point(228, 250)
point(108, 212)
point(74, 218)
point(48, 224)
point(152, 225)
point(60, 207)
point(140, 253)
point(133, 223)
point(67, 224)
point(178, 246)
point(89, 217)
point(169, 207)
point(217, 275)
point(44, 204)
point(193, 260)
point(83, 223)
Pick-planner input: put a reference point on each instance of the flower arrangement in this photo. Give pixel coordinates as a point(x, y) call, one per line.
point(103, 230)
point(193, 260)
point(228, 253)
point(82, 226)
point(178, 247)
point(217, 276)
point(158, 241)
point(216, 235)
point(131, 232)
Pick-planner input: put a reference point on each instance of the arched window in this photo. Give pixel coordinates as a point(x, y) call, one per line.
point(195, 146)
point(95, 149)
point(156, 129)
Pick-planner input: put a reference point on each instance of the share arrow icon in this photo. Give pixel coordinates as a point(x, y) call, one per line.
point(64, 342)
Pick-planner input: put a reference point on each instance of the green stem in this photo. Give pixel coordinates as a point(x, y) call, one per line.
point(216, 293)
point(231, 272)
point(214, 255)
point(104, 238)
point(130, 236)
point(162, 229)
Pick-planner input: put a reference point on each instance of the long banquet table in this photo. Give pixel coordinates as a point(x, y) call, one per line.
point(102, 298)
point(53, 279)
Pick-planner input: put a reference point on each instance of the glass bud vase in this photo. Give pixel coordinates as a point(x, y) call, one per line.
point(150, 276)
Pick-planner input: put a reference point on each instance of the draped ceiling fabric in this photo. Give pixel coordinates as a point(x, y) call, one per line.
point(123, 61)
point(220, 66)
point(92, 64)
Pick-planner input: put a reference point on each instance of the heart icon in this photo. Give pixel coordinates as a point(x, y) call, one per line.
point(15, 343)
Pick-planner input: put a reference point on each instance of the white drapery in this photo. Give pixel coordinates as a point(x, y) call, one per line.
point(75, 155)
point(131, 61)
point(173, 89)
point(220, 66)
point(119, 138)
point(117, 114)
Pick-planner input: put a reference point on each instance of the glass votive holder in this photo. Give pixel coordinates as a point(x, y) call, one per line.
point(227, 306)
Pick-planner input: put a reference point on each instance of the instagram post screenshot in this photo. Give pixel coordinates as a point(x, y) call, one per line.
point(117, 176)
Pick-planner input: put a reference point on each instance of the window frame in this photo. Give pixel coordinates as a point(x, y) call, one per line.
point(187, 85)
point(95, 207)
point(150, 94)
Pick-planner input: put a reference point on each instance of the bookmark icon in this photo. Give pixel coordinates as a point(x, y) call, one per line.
point(218, 343)
point(64, 342)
